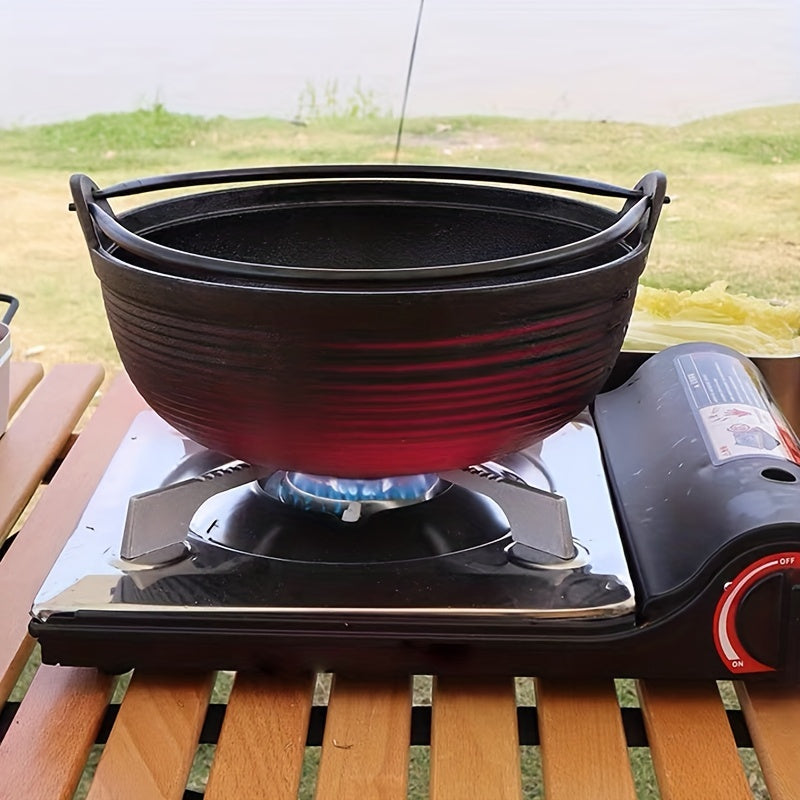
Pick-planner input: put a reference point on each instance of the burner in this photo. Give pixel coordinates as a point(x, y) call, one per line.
point(190, 507)
point(266, 519)
point(349, 499)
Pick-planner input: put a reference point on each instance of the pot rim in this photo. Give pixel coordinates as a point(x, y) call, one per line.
point(381, 288)
point(640, 212)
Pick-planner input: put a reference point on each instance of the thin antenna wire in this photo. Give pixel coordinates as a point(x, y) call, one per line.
point(408, 82)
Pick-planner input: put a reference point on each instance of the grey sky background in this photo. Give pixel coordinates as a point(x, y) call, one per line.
point(664, 61)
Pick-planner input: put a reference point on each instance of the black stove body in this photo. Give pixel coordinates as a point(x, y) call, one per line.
point(657, 536)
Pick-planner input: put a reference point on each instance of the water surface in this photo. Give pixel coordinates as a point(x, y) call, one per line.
point(651, 61)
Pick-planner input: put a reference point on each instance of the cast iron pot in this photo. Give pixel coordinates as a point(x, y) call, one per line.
point(368, 321)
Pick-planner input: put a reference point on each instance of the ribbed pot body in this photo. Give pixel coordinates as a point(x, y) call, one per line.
point(364, 379)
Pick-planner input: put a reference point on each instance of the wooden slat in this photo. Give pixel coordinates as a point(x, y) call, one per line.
point(24, 376)
point(265, 728)
point(154, 739)
point(772, 714)
point(37, 435)
point(44, 751)
point(365, 746)
point(475, 740)
point(35, 438)
point(584, 753)
point(693, 750)
point(53, 754)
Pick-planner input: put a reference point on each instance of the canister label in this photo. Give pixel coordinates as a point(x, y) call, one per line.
point(733, 409)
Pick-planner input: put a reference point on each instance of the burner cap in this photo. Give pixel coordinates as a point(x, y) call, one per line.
point(350, 499)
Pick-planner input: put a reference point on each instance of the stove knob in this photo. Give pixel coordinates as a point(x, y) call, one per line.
point(760, 621)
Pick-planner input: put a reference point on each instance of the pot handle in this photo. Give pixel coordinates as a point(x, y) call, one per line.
point(338, 171)
point(83, 190)
point(640, 213)
point(654, 186)
point(13, 305)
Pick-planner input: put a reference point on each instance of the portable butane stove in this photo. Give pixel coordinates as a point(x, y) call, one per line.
point(658, 535)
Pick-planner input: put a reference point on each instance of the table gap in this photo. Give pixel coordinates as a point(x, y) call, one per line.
point(422, 690)
point(197, 778)
point(87, 775)
point(308, 775)
point(752, 769)
point(111, 372)
point(530, 759)
point(55, 466)
point(644, 776)
point(223, 685)
point(419, 772)
point(525, 691)
point(728, 695)
point(26, 676)
point(627, 695)
point(122, 682)
point(6, 542)
point(20, 521)
point(322, 688)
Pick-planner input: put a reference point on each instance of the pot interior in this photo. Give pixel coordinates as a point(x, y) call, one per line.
point(373, 227)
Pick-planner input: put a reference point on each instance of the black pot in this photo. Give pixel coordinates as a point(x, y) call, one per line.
point(366, 321)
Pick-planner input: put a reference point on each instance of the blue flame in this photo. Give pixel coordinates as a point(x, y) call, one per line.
point(321, 492)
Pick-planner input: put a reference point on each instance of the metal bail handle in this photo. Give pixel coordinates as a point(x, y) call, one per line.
point(640, 213)
point(654, 186)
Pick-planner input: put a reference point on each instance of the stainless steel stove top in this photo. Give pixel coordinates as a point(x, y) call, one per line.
point(489, 543)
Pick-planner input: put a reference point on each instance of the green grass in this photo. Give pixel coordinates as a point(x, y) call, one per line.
point(774, 140)
point(129, 139)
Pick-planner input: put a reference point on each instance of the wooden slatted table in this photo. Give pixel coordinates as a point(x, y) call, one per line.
point(269, 738)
